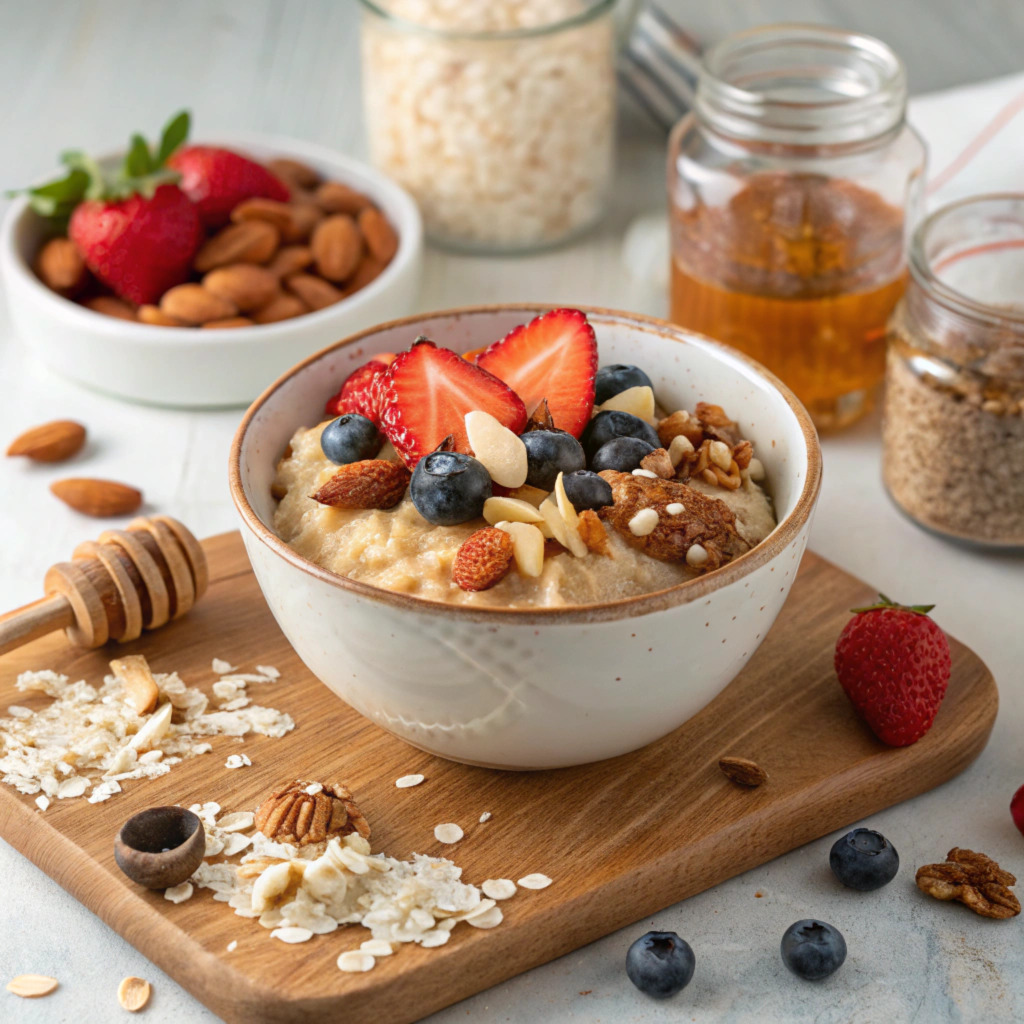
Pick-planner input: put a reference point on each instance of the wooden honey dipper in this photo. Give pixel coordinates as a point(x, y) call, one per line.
point(127, 581)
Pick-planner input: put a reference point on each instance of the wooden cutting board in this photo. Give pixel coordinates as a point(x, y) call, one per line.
point(621, 839)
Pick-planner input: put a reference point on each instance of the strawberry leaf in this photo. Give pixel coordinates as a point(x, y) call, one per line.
point(174, 134)
point(137, 162)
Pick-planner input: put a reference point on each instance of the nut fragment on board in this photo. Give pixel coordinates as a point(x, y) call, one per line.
point(99, 498)
point(49, 442)
point(743, 771)
point(973, 879)
point(32, 986)
point(133, 994)
point(140, 689)
point(291, 814)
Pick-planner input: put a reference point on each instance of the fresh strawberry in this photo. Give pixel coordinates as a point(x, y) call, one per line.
point(475, 353)
point(358, 392)
point(135, 228)
point(552, 357)
point(217, 180)
point(426, 393)
point(894, 664)
point(1017, 809)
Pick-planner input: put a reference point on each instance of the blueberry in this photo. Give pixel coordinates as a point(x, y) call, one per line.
point(813, 950)
point(449, 488)
point(621, 453)
point(350, 438)
point(550, 452)
point(611, 424)
point(587, 490)
point(864, 860)
point(616, 378)
point(660, 964)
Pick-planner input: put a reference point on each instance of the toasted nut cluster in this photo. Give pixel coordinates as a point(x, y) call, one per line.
point(973, 879)
point(302, 813)
point(274, 261)
point(705, 445)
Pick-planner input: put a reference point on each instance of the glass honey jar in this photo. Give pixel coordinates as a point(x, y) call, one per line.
point(793, 186)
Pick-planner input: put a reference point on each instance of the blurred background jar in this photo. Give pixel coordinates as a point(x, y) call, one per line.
point(793, 185)
point(953, 425)
point(498, 116)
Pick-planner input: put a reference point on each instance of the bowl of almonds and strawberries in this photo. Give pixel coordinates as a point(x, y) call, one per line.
point(189, 274)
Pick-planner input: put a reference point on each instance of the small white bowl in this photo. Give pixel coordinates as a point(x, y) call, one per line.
point(186, 367)
point(537, 688)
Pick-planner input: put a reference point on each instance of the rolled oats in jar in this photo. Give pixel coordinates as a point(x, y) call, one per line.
point(497, 115)
point(953, 428)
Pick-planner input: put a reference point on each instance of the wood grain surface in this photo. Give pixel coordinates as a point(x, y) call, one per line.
point(621, 839)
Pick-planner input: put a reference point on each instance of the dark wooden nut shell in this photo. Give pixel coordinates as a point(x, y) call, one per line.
point(160, 847)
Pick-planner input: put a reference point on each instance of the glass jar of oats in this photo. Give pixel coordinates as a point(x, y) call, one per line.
point(792, 186)
point(498, 116)
point(953, 426)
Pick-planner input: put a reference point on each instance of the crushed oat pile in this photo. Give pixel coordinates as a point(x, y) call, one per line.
point(89, 739)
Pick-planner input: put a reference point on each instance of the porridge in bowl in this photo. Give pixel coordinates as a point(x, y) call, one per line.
point(519, 475)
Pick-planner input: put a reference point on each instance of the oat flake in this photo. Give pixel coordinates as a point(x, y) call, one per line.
point(179, 893)
point(355, 962)
point(535, 881)
point(448, 833)
point(486, 816)
point(292, 935)
point(409, 780)
point(498, 888)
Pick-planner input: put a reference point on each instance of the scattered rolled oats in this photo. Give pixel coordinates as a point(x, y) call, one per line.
point(292, 934)
point(498, 888)
point(408, 780)
point(42, 802)
point(355, 962)
point(221, 667)
point(376, 947)
point(535, 881)
point(490, 918)
point(133, 994)
point(448, 833)
point(31, 986)
point(269, 671)
point(236, 821)
point(179, 893)
point(232, 945)
point(17, 711)
point(486, 816)
point(75, 786)
point(237, 761)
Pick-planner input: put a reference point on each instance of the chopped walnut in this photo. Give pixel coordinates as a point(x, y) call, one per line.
point(593, 533)
point(973, 879)
point(716, 424)
point(680, 423)
point(658, 463)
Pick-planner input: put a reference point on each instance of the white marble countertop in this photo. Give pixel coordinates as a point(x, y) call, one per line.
point(910, 958)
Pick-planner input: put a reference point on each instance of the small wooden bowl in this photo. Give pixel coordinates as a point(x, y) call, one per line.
point(160, 847)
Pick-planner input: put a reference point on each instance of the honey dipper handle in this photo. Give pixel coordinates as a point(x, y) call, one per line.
point(35, 620)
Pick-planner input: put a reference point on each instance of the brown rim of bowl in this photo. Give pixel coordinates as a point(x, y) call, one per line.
point(628, 607)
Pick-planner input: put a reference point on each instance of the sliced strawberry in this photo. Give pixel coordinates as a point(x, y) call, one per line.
point(552, 357)
point(426, 394)
point(358, 392)
point(474, 353)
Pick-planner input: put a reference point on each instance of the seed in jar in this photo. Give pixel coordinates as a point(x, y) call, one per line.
point(550, 452)
point(622, 454)
point(448, 833)
point(350, 438)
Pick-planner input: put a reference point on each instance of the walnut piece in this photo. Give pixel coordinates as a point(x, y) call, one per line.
point(975, 880)
point(304, 812)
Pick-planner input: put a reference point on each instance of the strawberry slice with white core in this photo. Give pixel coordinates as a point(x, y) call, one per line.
point(553, 356)
point(426, 393)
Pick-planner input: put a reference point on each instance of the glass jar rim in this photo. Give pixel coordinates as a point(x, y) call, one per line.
point(925, 271)
point(598, 7)
point(834, 117)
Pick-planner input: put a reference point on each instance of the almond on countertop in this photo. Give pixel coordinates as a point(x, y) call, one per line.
point(100, 498)
point(372, 483)
point(50, 442)
point(133, 994)
point(32, 986)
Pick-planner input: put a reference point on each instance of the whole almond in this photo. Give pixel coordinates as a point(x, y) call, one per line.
point(294, 172)
point(227, 323)
point(742, 771)
point(158, 318)
point(333, 197)
point(50, 442)
point(305, 217)
point(269, 210)
point(314, 291)
point(195, 304)
point(369, 269)
point(290, 259)
point(281, 307)
point(253, 241)
point(372, 483)
point(108, 305)
point(337, 247)
point(483, 560)
point(380, 236)
point(100, 498)
point(60, 266)
point(246, 285)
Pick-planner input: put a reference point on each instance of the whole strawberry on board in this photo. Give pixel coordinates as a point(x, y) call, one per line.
point(135, 228)
point(893, 662)
point(1017, 809)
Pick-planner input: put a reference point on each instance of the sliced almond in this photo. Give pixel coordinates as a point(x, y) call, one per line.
point(534, 495)
point(32, 986)
point(100, 498)
point(140, 687)
point(527, 547)
point(572, 520)
point(133, 994)
point(50, 442)
point(553, 521)
point(154, 728)
point(502, 452)
point(513, 510)
point(638, 401)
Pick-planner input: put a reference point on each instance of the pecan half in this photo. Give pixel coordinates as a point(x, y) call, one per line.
point(973, 879)
point(310, 812)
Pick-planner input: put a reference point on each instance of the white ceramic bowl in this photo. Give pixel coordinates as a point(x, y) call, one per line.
point(193, 368)
point(546, 688)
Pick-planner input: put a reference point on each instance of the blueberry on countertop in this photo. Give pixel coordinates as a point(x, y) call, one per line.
point(660, 964)
point(550, 452)
point(813, 950)
point(587, 490)
point(616, 378)
point(606, 426)
point(350, 438)
point(620, 453)
point(864, 860)
point(448, 488)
